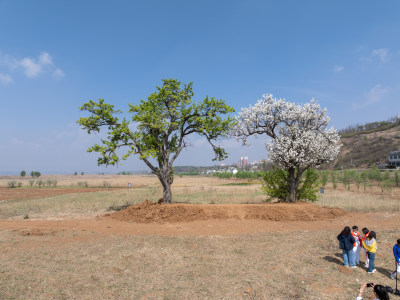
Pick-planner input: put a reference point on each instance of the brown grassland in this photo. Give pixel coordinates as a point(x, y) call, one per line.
point(55, 243)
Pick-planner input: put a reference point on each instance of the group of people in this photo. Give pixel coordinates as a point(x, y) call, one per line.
point(351, 242)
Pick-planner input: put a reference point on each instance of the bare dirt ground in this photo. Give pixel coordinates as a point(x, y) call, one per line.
point(189, 251)
point(208, 219)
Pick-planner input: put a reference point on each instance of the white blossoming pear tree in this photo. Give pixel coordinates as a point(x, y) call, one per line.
point(159, 128)
point(300, 139)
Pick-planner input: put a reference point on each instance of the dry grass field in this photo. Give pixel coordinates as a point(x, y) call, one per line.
point(63, 250)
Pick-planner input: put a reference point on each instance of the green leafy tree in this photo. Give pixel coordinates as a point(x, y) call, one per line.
point(396, 178)
point(162, 124)
point(275, 184)
point(324, 177)
point(22, 174)
point(35, 174)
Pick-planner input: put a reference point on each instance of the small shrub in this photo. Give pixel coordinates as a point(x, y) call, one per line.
point(54, 182)
point(39, 183)
point(83, 184)
point(26, 216)
point(12, 184)
point(19, 184)
point(31, 182)
point(106, 184)
point(49, 182)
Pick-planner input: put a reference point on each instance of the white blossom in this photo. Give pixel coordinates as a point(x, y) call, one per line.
point(300, 138)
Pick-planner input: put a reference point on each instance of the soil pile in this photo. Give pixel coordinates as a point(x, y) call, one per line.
point(149, 212)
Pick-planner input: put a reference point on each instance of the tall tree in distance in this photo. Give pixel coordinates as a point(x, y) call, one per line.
point(299, 136)
point(161, 125)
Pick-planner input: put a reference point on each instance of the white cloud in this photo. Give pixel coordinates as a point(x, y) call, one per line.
point(338, 69)
point(5, 79)
point(374, 95)
point(16, 141)
point(31, 67)
point(380, 53)
point(45, 59)
point(58, 74)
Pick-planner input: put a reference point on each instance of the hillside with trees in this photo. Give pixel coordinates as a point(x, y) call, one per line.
point(367, 145)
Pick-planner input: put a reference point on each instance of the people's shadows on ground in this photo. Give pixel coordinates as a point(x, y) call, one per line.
point(383, 271)
point(334, 259)
point(338, 259)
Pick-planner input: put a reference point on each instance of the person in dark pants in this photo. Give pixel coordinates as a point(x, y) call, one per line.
point(396, 252)
point(346, 241)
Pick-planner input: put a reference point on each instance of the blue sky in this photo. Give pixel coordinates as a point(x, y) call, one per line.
point(56, 55)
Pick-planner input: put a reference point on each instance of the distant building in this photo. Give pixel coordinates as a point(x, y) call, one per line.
point(243, 162)
point(394, 158)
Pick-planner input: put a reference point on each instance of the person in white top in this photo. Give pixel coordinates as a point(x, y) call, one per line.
point(357, 245)
point(380, 291)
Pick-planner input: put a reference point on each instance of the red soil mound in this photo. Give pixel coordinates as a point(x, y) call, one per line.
point(149, 212)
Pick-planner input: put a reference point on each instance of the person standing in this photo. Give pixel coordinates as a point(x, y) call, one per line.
point(396, 252)
point(346, 241)
point(365, 231)
point(370, 245)
point(356, 245)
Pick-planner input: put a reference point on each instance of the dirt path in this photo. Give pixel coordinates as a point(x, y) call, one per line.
point(110, 226)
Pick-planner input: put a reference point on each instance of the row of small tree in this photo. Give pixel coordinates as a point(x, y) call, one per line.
point(39, 183)
point(361, 179)
point(239, 175)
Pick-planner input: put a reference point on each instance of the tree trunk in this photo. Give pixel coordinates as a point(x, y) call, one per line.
point(167, 194)
point(292, 185)
point(166, 181)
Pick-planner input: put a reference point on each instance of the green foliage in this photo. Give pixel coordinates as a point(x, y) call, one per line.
point(396, 178)
point(276, 185)
point(31, 182)
point(35, 174)
point(75, 173)
point(192, 173)
point(334, 177)
point(23, 173)
point(223, 174)
point(240, 175)
point(375, 174)
point(324, 177)
point(39, 183)
point(309, 188)
point(364, 179)
point(163, 120)
point(160, 127)
point(82, 173)
point(249, 174)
